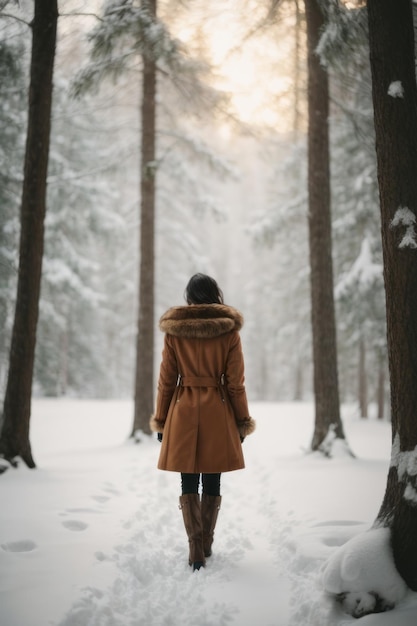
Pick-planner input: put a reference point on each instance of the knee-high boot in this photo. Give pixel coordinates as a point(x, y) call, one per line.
point(191, 512)
point(210, 507)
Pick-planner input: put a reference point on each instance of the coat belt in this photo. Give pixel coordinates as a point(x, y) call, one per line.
point(199, 381)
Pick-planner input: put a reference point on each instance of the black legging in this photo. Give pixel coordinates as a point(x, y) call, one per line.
point(211, 483)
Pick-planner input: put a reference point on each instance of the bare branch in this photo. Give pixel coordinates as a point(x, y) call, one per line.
point(18, 19)
point(82, 15)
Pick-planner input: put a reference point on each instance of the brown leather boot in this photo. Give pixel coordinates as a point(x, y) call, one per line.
point(191, 512)
point(210, 507)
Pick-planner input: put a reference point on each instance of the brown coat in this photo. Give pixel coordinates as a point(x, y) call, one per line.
point(201, 406)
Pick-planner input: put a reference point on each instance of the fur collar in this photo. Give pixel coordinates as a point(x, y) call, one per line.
point(200, 321)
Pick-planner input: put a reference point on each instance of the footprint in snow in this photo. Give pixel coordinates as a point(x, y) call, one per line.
point(109, 488)
point(81, 510)
point(101, 556)
point(76, 525)
point(338, 523)
point(25, 545)
point(100, 499)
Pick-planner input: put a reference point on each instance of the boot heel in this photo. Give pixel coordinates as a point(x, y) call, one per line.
point(197, 565)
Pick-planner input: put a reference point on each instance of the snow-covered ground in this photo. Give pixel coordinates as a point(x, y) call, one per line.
point(94, 537)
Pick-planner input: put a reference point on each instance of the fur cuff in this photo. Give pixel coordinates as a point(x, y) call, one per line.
point(246, 427)
point(156, 425)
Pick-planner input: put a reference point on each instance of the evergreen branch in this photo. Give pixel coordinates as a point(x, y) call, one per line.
point(121, 26)
point(199, 149)
point(348, 32)
point(93, 75)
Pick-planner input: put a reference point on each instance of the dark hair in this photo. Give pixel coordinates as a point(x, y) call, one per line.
point(203, 289)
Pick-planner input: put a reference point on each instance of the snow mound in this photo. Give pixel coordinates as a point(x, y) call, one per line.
point(362, 573)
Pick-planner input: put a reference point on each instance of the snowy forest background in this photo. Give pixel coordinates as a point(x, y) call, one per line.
point(231, 200)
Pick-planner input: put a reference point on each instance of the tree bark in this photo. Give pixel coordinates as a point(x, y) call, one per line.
point(395, 107)
point(144, 378)
point(14, 439)
point(326, 386)
point(298, 389)
point(380, 392)
point(297, 73)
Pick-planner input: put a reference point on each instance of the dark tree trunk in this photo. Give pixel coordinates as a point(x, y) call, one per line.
point(326, 389)
point(14, 439)
point(144, 379)
point(380, 392)
point(362, 380)
point(395, 106)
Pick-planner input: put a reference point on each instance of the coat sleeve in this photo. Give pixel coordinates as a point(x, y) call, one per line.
point(235, 384)
point(167, 383)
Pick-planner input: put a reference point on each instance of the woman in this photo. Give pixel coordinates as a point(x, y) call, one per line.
point(201, 406)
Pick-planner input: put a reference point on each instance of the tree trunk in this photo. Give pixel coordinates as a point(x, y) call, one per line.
point(298, 390)
point(14, 439)
point(380, 392)
point(362, 380)
point(297, 73)
point(144, 379)
point(326, 389)
point(395, 107)
point(62, 382)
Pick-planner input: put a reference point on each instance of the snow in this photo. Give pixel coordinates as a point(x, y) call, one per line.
point(366, 557)
point(404, 217)
point(396, 89)
point(94, 537)
point(406, 464)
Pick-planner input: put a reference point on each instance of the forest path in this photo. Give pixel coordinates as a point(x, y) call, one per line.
point(153, 584)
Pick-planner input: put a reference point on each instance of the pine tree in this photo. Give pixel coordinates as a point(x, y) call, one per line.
point(395, 105)
point(14, 438)
point(130, 36)
point(328, 424)
point(144, 377)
